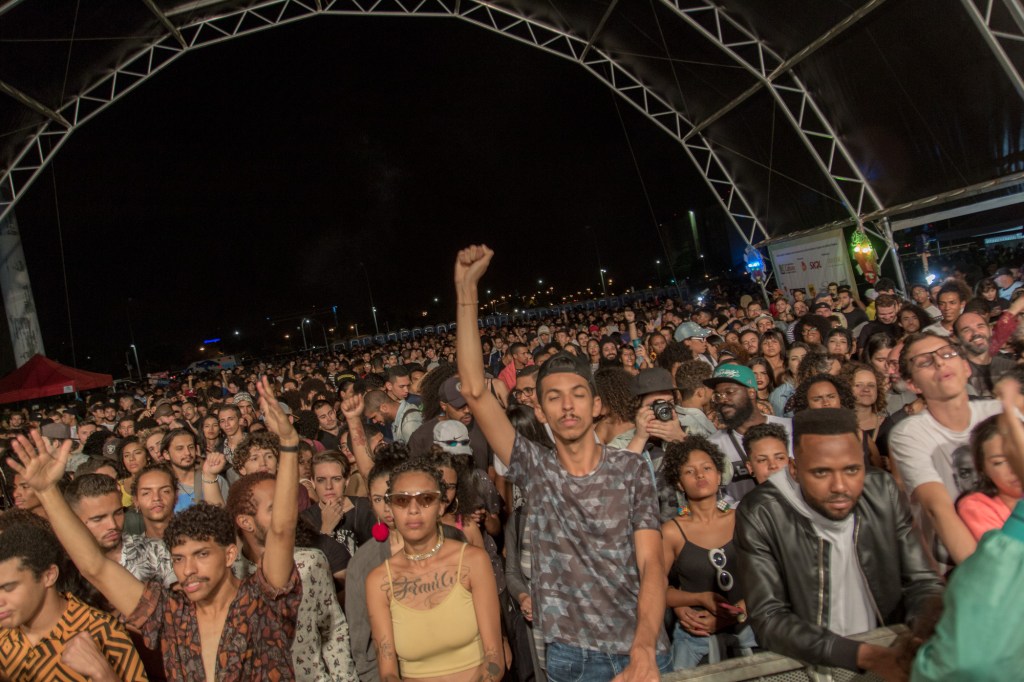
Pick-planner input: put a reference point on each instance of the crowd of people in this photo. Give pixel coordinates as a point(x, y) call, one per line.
point(596, 496)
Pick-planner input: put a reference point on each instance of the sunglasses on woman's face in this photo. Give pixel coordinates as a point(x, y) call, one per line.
point(424, 498)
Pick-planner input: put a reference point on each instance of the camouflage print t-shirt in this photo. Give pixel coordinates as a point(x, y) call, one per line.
point(585, 580)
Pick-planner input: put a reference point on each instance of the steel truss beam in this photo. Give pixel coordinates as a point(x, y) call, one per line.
point(1001, 22)
point(653, 106)
point(148, 60)
point(772, 72)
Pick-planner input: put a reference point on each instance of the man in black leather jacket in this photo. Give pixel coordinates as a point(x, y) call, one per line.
point(827, 549)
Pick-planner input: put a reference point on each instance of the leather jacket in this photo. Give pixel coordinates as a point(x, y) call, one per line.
point(784, 570)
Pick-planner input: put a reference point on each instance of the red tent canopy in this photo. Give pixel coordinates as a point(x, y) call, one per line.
point(41, 377)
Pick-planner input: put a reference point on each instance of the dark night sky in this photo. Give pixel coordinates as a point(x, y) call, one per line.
point(250, 179)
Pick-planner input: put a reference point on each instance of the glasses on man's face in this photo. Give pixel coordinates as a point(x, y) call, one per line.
point(927, 359)
point(726, 394)
point(528, 391)
point(718, 559)
point(424, 498)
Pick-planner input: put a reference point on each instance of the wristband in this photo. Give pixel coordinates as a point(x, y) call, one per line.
point(288, 448)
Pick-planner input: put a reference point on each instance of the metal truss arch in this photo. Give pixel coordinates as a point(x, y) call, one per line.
point(815, 131)
point(44, 144)
point(1001, 24)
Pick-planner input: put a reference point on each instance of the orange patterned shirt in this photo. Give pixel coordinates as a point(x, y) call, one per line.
point(22, 662)
point(256, 642)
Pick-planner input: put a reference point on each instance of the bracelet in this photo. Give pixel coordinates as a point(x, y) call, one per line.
point(470, 303)
point(288, 448)
point(210, 482)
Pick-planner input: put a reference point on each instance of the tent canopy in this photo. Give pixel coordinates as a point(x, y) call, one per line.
point(798, 112)
point(41, 377)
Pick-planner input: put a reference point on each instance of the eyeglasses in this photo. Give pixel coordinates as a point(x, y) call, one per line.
point(453, 443)
point(927, 359)
point(727, 394)
point(528, 390)
point(425, 498)
point(718, 559)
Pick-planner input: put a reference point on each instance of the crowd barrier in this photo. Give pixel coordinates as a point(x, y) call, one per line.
point(769, 667)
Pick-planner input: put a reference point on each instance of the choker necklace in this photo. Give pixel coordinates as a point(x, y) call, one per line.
point(429, 553)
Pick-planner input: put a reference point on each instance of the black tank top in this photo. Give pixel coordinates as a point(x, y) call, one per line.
point(692, 570)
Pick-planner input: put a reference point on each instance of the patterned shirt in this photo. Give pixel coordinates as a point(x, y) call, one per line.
point(22, 662)
point(147, 559)
point(257, 638)
point(584, 577)
point(321, 647)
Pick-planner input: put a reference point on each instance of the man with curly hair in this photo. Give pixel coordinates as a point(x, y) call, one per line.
point(256, 616)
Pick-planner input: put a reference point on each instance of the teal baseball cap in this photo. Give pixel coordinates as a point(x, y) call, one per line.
point(736, 374)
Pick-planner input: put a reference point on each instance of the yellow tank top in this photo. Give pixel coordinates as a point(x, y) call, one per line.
point(438, 641)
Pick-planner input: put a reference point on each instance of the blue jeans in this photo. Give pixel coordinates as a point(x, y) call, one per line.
point(688, 650)
point(567, 663)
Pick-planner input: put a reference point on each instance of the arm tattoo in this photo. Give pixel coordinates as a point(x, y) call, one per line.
point(491, 668)
point(385, 651)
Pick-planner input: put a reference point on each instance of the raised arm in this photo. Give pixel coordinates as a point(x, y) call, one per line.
point(352, 409)
point(278, 558)
point(41, 463)
point(470, 265)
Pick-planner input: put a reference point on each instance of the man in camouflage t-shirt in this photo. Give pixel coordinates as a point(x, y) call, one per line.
point(598, 578)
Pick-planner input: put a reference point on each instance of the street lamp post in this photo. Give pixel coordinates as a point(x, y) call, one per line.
point(657, 267)
point(369, 288)
point(604, 289)
point(137, 365)
point(302, 328)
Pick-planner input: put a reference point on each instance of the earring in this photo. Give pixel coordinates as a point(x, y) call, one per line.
point(455, 509)
point(380, 531)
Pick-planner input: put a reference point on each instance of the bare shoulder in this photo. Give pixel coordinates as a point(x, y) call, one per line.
point(377, 581)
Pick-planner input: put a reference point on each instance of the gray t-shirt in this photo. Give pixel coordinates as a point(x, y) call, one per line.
point(585, 579)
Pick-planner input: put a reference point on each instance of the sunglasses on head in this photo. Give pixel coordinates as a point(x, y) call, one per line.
point(425, 498)
point(453, 443)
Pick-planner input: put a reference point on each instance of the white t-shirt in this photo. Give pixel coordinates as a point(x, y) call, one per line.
point(926, 451)
point(742, 480)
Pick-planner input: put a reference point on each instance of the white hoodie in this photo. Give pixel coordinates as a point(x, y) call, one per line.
point(850, 605)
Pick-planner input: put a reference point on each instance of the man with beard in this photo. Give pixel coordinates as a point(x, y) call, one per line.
point(194, 484)
point(887, 310)
point(96, 500)
point(986, 369)
point(454, 406)
point(321, 652)
point(827, 549)
point(154, 494)
point(216, 626)
point(401, 418)
point(735, 399)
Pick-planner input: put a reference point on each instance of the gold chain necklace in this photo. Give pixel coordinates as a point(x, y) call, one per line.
point(429, 553)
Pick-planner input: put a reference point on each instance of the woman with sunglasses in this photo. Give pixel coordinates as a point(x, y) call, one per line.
point(433, 605)
point(698, 548)
point(386, 543)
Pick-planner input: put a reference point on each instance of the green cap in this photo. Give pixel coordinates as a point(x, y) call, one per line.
point(736, 374)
